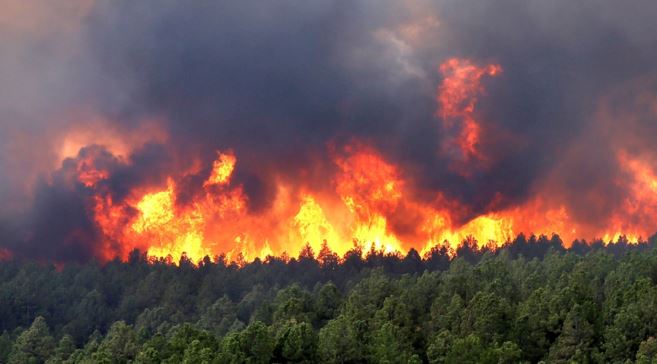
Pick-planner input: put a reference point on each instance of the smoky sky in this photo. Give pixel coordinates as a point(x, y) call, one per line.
point(281, 82)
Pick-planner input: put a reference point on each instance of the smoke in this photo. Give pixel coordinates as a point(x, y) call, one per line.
point(286, 84)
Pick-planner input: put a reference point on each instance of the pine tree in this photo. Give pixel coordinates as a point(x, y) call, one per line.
point(34, 345)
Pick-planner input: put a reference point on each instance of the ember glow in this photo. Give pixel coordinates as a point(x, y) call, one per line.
point(412, 125)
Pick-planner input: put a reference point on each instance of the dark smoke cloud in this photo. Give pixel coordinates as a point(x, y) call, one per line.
point(279, 81)
point(60, 224)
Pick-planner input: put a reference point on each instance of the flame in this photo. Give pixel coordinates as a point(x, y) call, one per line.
point(156, 210)
point(456, 97)
point(639, 206)
point(368, 202)
point(312, 224)
point(373, 206)
point(88, 174)
point(218, 221)
point(222, 169)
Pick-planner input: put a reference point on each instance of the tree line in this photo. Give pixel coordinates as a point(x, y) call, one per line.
point(530, 301)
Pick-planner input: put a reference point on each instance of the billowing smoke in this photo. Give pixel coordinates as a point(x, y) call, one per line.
point(548, 111)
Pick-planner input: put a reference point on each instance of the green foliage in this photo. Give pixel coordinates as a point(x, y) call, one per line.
point(253, 345)
point(483, 307)
point(328, 302)
point(389, 345)
point(65, 348)
point(6, 343)
point(339, 342)
point(296, 343)
point(196, 353)
point(34, 345)
point(647, 353)
point(119, 346)
point(439, 347)
point(220, 317)
point(576, 339)
point(292, 303)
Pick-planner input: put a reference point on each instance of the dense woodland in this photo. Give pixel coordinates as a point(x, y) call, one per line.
point(530, 301)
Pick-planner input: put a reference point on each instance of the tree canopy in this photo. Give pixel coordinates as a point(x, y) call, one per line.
point(529, 301)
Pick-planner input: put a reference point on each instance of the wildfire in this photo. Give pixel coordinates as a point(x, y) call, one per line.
point(371, 191)
point(222, 169)
point(369, 202)
point(457, 98)
point(373, 206)
point(312, 224)
point(639, 206)
point(88, 174)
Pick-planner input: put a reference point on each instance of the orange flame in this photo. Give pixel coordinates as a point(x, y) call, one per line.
point(371, 203)
point(373, 207)
point(88, 174)
point(639, 206)
point(457, 97)
point(222, 169)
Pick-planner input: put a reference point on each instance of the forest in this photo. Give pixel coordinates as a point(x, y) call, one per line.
point(530, 301)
